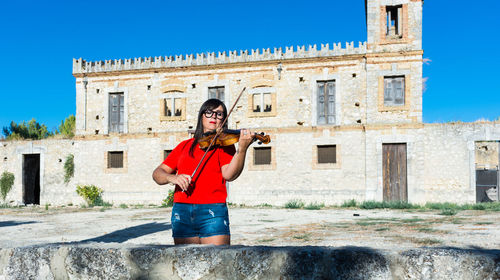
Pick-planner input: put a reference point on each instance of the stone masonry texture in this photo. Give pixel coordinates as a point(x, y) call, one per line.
point(440, 158)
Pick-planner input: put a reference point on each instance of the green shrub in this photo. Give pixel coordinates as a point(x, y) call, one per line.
point(69, 168)
point(123, 206)
point(6, 183)
point(90, 193)
point(493, 206)
point(314, 206)
point(265, 205)
point(169, 200)
point(478, 206)
point(349, 203)
point(294, 204)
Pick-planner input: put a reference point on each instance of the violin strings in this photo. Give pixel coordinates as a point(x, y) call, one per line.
point(218, 132)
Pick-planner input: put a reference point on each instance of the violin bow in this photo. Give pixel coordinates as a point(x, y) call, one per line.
point(218, 132)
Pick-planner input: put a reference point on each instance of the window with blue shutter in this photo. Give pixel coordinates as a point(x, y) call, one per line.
point(326, 102)
point(116, 112)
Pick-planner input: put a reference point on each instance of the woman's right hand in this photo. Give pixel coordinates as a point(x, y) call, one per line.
point(182, 180)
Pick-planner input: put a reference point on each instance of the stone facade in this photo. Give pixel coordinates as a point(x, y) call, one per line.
point(439, 159)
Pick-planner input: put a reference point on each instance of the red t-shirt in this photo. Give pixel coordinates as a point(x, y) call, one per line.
point(207, 185)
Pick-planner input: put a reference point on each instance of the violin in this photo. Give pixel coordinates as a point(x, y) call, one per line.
point(229, 137)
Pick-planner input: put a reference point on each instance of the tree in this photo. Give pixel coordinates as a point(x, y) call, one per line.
point(67, 127)
point(31, 130)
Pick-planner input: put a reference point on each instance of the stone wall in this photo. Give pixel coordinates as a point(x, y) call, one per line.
point(240, 262)
point(441, 162)
point(358, 94)
point(53, 153)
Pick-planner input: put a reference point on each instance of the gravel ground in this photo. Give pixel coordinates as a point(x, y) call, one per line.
point(379, 229)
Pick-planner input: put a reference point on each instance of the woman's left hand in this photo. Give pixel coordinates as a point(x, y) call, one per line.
point(246, 138)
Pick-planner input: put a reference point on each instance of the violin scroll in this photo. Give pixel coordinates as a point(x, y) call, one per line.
point(263, 138)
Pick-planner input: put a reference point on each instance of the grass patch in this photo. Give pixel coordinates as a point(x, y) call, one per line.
point(412, 220)
point(366, 223)
point(442, 206)
point(294, 204)
point(265, 240)
point(484, 223)
point(349, 203)
point(457, 221)
point(335, 225)
point(104, 208)
point(314, 206)
point(305, 237)
point(382, 229)
point(123, 206)
point(427, 241)
point(426, 229)
point(448, 212)
point(370, 204)
point(488, 206)
point(6, 205)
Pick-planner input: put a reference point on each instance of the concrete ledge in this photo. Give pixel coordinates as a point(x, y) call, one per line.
point(240, 262)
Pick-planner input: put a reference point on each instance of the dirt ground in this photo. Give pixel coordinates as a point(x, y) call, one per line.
point(380, 229)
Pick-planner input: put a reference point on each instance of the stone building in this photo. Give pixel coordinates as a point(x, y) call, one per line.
point(345, 122)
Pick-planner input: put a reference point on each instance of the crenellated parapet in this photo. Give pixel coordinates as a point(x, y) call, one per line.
point(81, 66)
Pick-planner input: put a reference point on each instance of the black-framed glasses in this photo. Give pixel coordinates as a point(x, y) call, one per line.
point(218, 115)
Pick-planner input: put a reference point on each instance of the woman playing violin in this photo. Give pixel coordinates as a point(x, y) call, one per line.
point(200, 214)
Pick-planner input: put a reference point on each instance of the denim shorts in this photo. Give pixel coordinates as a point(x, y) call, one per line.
point(199, 220)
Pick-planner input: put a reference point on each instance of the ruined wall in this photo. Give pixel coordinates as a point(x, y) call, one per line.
point(487, 154)
point(53, 153)
point(411, 26)
point(440, 165)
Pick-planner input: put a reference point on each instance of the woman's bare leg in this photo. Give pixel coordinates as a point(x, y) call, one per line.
point(217, 240)
point(187, 240)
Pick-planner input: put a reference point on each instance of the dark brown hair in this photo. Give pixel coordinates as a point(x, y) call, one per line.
point(210, 104)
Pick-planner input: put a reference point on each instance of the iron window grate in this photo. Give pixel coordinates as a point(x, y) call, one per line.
point(115, 159)
point(327, 154)
point(262, 156)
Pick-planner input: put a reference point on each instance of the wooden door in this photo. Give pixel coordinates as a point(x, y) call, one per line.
point(394, 172)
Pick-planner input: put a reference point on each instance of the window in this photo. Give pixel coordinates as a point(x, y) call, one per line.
point(173, 107)
point(326, 102)
point(216, 92)
point(394, 21)
point(262, 156)
point(394, 91)
point(166, 153)
point(116, 109)
point(261, 102)
point(327, 154)
point(115, 159)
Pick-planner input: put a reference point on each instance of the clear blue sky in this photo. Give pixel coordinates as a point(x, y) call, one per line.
point(39, 39)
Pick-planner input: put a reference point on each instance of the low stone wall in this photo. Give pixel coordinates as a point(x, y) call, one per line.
point(240, 262)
